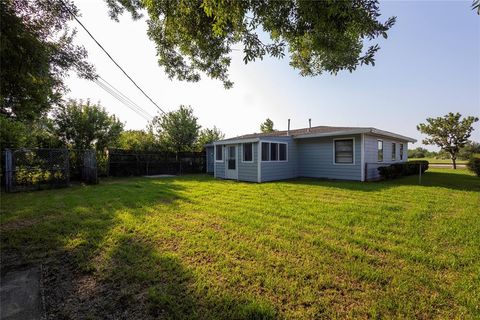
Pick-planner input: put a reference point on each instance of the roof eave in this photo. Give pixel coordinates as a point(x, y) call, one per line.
point(235, 141)
point(330, 134)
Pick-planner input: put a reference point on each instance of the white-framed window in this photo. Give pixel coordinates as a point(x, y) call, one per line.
point(247, 152)
point(401, 151)
point(344, 151)
point(218, 153)
point(274, 151)
point(394, 151)
point(379, 150)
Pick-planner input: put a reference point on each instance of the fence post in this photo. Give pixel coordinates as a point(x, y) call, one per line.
point(419, 173)
point(67, 166)
point(8, 170)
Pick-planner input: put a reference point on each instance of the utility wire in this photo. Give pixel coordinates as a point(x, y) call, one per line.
point(125, 97)
point(131, 106)
point(106, 52)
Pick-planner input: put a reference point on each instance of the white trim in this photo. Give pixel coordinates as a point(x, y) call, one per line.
point(391, 153)
point(215, 153)
point(259, 169)
point(383, 153)
point(356, 131)
point(269, 151)
point(353, 155)
point(236, 141)
point(242, 154)
point(362, 157)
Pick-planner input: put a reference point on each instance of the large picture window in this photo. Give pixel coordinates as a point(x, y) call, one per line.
point(247, 152)
point(219, 153)
point(394, 151)
point(379, 150)
point(343, 151)
point(272, 151)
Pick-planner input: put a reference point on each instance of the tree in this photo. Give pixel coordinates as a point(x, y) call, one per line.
point(138, 140)
point(82, 125)
point(207, 136)
point(37, 52)
point(267, 126)
point(177, 130)
point(470, 149)
point(448, 133)
point(198, 36)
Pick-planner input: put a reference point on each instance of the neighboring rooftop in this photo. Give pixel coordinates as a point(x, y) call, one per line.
point(319, 131)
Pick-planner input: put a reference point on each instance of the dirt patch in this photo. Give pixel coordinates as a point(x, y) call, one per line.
point(17, 224)
point(71, 293)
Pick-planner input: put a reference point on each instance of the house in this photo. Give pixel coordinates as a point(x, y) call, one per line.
point(346, 153)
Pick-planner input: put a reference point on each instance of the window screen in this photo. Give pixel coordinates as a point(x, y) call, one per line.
point(282, 153)
point(380, 150)
point(344, 151)
point(265, 151)
point(394, 151)
point(248, 152)
point(401, 151)
point(218, 153)
point(273, 151)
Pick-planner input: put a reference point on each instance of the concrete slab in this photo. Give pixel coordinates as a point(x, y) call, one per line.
point(20, 295)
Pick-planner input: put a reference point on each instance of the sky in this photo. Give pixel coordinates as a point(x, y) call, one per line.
point(428, 66)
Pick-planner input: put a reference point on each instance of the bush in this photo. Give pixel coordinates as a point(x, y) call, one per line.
point(402, 169)
point(474, 165)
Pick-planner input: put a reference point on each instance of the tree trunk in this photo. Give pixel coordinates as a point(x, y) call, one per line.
point(454, 163)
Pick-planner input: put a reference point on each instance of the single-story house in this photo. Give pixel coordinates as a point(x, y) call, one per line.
point(347, 153)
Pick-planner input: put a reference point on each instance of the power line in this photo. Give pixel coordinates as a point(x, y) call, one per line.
point(127, 99)
point(138, 111)
point(106, 52)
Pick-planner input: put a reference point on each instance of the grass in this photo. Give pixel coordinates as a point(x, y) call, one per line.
point(439, 161)
point(195, 247)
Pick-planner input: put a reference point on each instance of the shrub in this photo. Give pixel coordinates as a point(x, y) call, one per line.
point(402, 169)
point(474, 165)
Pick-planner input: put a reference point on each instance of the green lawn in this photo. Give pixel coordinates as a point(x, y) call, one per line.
point(195, 247)
point(441, 161)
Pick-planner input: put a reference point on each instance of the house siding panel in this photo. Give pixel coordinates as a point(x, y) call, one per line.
point(220, 167)
point(316, 159)
point(280, 170)
point(371, 159)
point(248, 171)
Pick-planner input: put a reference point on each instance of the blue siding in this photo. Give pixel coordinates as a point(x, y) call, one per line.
point(210, 159)
point(371, 154)
point(220, 167)
point(280, 170)
point(248, 171)
point(316, 159)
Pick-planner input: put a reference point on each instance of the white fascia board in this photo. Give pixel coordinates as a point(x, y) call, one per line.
point(331, 134)
point(392, 135)
point(236, 141)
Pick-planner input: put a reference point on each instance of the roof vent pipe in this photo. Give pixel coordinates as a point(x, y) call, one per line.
point(288, 130)
point(309, 124)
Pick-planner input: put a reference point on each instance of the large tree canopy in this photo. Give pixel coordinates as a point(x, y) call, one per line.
point(36, 52)
point(194, 36)
point(448, 132)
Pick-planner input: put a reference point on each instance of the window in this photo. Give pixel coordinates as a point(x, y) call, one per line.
point(272, 151)
point(248, 152)
point(265, 151)
point(282, 153)
point(219, 153)
point(231, 158)
point(394, 151)
point(380, 150)
point(401, 151)
point(343, 151)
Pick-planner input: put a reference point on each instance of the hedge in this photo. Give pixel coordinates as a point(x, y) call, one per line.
point(474, 165)
point(402, 169)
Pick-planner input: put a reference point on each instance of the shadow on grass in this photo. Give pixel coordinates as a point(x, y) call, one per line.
point(137, 280)
point(454, 181)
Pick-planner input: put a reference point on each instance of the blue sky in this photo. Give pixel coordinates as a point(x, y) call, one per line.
point(428, 66)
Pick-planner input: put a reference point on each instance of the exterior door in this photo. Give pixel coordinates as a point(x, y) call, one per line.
point(231, 166)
